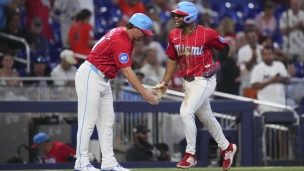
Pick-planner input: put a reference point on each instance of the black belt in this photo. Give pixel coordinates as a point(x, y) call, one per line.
point(189, 78)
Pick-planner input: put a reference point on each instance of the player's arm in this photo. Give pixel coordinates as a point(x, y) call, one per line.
point(133, 80)
point(220, 44)
point(223, 54)
point(170, 69)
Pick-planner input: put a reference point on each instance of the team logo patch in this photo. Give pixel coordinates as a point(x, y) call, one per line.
point(222, 39)
point(123, 58)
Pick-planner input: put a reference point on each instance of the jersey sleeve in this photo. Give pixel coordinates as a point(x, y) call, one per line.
point(171, 51)
point(122, 51)
point(215, 41)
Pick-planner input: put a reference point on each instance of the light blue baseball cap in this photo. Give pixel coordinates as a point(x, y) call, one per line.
point(143, 22)
point(40, 138)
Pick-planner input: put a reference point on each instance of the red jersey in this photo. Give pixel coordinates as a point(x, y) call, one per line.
point(59, 153)
point(112, 52)
point(79, 35)
point(194, 52)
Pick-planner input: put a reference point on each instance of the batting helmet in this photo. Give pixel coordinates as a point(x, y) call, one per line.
point(187, 9)
point(143, 22)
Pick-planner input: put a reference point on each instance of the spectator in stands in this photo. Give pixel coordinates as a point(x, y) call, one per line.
point(65, 69)
point(226, 28)
point(248, 56)
point(68, 11)
point(89, 5)
point(7, 70)
point(269, 77)
point(40, 43)
point(41, 69)
point(240, 40)
point(13, 28)
point(228, 77)
point(130, 7)
point(54, 152)
point(137, 55)
point(81, 36)
point(160, 5)
point(157, 25)
point(206, 19)
point(292, 27)
point(41, 9)
point(152, 69)
point(150, 43)
point(142, 150)
point(266, 22)
point(278, 53)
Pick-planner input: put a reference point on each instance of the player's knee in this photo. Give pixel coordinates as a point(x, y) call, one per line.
point(186, 113)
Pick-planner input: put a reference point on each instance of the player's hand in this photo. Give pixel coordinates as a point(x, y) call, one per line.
point(212, 70)
point(160, 88)
point(149, 96)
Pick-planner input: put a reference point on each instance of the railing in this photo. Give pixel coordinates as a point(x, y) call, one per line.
point(27, 48)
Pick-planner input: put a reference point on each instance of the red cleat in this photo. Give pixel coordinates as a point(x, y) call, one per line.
point(188, 161)
point(228, 156)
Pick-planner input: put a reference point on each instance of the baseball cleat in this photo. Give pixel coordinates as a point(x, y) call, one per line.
point(188, 161)
point(88, 167)
point(228, 156)
point(116, 168)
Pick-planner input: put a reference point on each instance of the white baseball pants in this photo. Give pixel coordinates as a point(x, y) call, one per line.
point(95, 107)
point(196, 101)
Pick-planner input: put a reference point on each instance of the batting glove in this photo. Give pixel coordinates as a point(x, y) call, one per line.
point(212, 70)
point(160, 88)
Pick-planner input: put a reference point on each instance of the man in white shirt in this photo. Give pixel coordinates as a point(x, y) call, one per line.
point(152, 69)
point(65, 69)
point(269, 77)
point(292, 28)
point(248, 56)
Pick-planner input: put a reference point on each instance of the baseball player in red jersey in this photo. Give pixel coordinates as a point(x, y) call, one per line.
point(95, 101)
point(190, 46)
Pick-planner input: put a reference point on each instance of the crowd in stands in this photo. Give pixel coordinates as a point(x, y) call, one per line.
point(50, 27)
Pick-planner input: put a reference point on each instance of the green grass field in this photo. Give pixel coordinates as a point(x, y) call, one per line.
point(210, 169)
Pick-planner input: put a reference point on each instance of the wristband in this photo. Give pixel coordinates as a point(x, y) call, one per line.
point(218, 62)
point(164, 83)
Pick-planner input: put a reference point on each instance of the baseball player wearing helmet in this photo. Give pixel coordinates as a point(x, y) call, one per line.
point(95, 101)
point(190, 46)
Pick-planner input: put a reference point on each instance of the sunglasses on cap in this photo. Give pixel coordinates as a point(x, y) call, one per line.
point(41, 60)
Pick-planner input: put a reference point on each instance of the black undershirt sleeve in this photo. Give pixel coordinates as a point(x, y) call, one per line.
point(223, 54)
